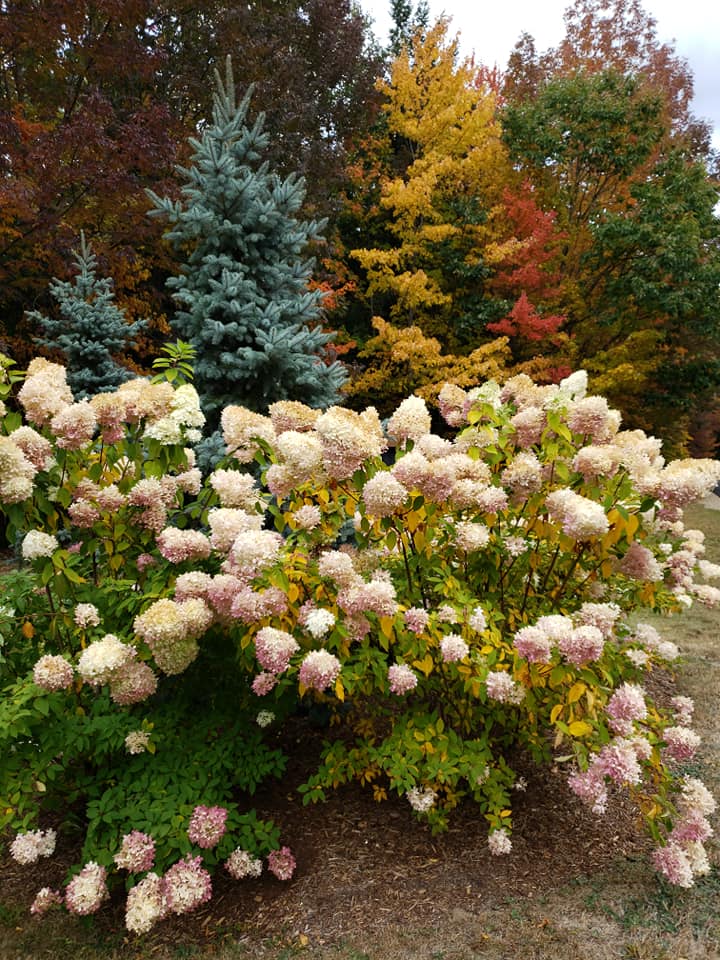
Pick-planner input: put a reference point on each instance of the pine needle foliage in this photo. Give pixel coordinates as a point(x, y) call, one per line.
point(243, 297)
point(90, 330)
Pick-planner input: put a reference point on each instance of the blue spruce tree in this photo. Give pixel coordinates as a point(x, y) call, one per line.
point(243, 297)
point(90, 329)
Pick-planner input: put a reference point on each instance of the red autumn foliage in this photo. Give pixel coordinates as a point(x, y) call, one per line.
point(524, 321)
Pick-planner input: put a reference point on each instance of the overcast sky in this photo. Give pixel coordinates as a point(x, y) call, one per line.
point(491, 32)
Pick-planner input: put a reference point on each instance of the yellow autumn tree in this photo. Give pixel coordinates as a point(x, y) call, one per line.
point(402, 361)
point(447, 224)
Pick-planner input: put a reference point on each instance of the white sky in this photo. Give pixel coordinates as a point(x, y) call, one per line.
point(693, 25)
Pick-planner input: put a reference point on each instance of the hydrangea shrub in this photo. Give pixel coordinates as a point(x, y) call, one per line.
point(446, 600)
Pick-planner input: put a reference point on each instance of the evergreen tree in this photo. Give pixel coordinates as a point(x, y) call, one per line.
point(243, 293)
point(91, 328)
point(406, 22)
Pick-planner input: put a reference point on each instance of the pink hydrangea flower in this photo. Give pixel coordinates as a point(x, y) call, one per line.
point(241, 864)
point(74, 425)
point(402, 679)
point(263, 683)
point(500, 686)
point(137, 852)
point(281, 863)
point(639, 563)
point(186, 885)
point(533, 644)
point(673, 863)
point(44, 899)
point(376, 596)
point(273, 649)
point(86, 891)
point(383, 494)
point(319, 670)
point(453, 648)
point(133, 682)
point(589, 785)
point(681, 743)
point(30, 846)
point(580, 518)
point(600, 615)
point(416, 619)
point(499, 842)
point(52, 673)
point(581, 645)
point(145, 904)
point(207, 826)
point(410, 421)
point(626, 705)
point(251, 605)
point(477, 620)
point(177, 545)
point(308, 517)
point(618, 760)
point(86, 615)
point(471, 537)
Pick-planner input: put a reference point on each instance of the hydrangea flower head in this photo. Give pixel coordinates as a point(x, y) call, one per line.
point(273, 649)
point(319, 670)
point(453, 648)
point(402, 678)
point(145, 904)
point(44, 900)
point(421, 799)
point(29, 847)
point(281, 863)
point(186, 885)
point(137, 852)
point(86, 891)
point(499, 842)
point(38, 544)
point(207, 826)
point(241, 864)
point(53, 672)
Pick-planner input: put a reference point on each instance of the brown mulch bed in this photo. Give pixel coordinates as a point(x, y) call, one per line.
point(363, 864)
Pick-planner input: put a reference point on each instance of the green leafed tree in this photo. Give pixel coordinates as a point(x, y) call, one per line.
point(90, 330)
point(243, 297)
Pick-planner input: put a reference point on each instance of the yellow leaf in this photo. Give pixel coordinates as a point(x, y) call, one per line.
point(293, 592)
point(387, 625)
point(419, 540)
point(506, 813)
point(425, 665)
point(579, 728)
point(576, 691)
point(412, 521)
point(556, 711)
point(632, 523)
point(339, 689)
